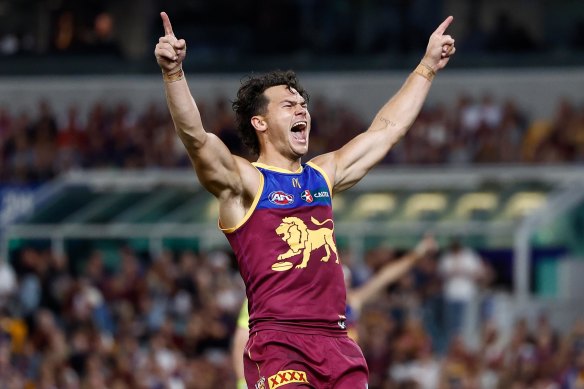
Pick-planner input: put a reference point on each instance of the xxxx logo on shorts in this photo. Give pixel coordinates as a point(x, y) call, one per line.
point(287, 377)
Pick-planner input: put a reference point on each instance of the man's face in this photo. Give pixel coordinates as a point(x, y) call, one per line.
point(288, 121)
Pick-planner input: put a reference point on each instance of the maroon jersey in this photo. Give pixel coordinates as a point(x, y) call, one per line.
point(287, 254)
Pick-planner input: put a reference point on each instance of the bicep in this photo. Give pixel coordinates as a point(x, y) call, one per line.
point(353, 161)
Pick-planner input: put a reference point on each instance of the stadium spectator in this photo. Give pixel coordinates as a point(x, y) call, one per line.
point(463, 273)
point(8, 284)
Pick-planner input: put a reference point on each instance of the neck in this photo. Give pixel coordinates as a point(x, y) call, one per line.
point(279, 161)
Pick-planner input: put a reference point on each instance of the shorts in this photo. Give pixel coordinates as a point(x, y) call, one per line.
point(278, 359)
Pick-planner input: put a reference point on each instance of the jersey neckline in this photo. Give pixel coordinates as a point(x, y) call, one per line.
point(278, 169)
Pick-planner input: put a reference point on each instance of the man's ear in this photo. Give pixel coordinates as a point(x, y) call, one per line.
point(259, 123)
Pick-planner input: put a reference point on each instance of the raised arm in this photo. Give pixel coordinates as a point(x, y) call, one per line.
point(389, 274)
point(218, 170)
point(350, 163)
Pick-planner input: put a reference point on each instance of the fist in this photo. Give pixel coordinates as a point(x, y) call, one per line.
point(169, 52)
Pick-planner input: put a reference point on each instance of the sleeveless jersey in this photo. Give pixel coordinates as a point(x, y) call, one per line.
point(287, 254)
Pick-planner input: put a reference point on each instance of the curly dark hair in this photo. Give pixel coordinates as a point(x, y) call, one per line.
point(251, 101)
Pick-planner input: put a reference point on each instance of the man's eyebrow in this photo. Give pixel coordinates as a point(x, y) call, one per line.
point(293, 101)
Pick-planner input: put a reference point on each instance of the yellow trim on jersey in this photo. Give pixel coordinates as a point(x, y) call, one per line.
point(256, 199)
point(277, 169)
point(326, 178)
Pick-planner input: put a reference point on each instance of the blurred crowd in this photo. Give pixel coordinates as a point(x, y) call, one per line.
point(166, 321)
point(160, 323)
point(37, 146)
point(329, 27)
point(439, 328)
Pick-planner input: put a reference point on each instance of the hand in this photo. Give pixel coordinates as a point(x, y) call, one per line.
point(169, 52)
point(440, 47)
point(426, 246)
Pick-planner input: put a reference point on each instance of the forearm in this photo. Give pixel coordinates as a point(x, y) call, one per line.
point(392, 121)
point(239, 340)
point(392, 272)
point(400, 112)
point(389, 125)
point(184, 112)
point(386, 276)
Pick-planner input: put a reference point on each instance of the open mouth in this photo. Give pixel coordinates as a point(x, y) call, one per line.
point(299, 131)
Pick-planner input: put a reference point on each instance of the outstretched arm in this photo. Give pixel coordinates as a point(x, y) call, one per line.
point(218, 170)
point(389, 274)
point(350, 163)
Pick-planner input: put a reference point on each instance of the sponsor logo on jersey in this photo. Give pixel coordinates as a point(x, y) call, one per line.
point(261, 384)
point(321, 194)
point(280, 198)
point(307, 196)
point(296, 183)
point(285, 377)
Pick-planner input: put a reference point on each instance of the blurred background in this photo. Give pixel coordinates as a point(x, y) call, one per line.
point(113, 273)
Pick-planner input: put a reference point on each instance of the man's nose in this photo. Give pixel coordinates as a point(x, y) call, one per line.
point(300, 110)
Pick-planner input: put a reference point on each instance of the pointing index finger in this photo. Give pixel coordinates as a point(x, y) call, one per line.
point(166, 24)
point(441, 28)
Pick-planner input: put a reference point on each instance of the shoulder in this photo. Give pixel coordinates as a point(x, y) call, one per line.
point(235, 202)
point(325, 164)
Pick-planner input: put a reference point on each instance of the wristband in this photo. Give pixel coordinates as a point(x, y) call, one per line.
point(425, 71)
point(172, 77)
point(241, 384)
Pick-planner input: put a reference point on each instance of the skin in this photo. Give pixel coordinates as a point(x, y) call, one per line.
point(234, 181)
point(240, 338)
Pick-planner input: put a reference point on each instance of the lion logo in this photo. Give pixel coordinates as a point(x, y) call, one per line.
point(303, 240)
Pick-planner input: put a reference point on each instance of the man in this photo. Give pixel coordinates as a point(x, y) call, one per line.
point(277, 214)
point(463, 273)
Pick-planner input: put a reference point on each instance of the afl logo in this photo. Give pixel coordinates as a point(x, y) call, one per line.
point(307, 196)
point(280, 198)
